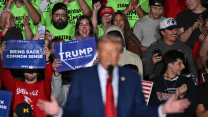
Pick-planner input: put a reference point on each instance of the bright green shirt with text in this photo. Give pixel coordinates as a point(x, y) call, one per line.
point(67, 33)
point(120, 5)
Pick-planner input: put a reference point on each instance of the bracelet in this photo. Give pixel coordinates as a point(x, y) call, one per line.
point(10, 2)
point(136, 6)
point(6, 26)
point(65, 2)
point(47, 62)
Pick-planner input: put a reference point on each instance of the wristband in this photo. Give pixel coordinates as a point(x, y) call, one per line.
point(6, 26)
point(47, 62)
point(65, 2)
point(10, 2)
point(136, 6)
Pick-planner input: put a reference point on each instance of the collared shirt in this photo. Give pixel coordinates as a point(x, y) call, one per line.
point(103, 76)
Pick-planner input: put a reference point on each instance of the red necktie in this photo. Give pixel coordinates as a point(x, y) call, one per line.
point(110, 109)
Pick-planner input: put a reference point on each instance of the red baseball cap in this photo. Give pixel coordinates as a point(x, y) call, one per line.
point(106, 10)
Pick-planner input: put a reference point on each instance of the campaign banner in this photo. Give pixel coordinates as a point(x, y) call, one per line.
point(75, 54)
point(5, 102)
point(24, 54)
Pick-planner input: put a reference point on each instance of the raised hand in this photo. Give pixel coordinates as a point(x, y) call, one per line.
point(8, 19)
point(96, 6)
point(201, 22)
point(156, 58)
point(51, 108)
point(130, 6)
point(56, 63)
point(2, 49)
point(195, 25)
point(175, 106)
point(181, 91)
point(49, 36)
point(46, 52)
point(201, 37)
point(38, 35)
point(26, 19)
point(134, 2)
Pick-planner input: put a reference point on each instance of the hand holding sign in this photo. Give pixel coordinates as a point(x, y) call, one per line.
point(25, 54)
point(2, 49)
point(76, 54)
point(56, 63)
point(46, 52)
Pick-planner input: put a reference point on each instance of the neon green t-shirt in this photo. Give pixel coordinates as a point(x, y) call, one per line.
point(100, 31)
point(19, 18)
point(37, 2)
point(74, 10)
point(2, 4)
point(67, 33)
point(120, 5)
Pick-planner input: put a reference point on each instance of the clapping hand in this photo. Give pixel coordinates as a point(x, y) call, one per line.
point(181, 91)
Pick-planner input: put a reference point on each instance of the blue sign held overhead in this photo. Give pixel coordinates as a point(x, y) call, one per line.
point(24, 54)
point(76, 54)
point(5, 103)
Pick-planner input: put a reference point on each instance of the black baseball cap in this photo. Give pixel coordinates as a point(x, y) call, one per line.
point(161, 2)
point(58, 6)
point(23, 110)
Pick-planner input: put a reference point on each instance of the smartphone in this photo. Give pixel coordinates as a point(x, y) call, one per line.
point(42, 28)
point(157, 51)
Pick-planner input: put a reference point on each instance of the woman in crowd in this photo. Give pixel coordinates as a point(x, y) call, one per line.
point(131, 41)
point(83, 28)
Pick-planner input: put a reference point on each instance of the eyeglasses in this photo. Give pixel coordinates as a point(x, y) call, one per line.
point(58, 15)
point(107, 16)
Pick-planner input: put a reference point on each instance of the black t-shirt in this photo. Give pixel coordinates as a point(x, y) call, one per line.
point(202, 94)
point(186, 19)
point(163, 89)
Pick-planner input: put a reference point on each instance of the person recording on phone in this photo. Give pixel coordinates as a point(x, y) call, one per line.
point(151, 60)
point(107, 90)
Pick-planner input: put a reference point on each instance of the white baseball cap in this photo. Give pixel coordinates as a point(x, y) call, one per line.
point(5, 10)
point(168, 23)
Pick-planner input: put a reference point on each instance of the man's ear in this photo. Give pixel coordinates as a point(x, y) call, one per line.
point(162, 32)
point(51, 16)
point(149, 6)
point(170, 65)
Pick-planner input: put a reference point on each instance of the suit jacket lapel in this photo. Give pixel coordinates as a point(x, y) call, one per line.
point(121, 95)
point(97, 92)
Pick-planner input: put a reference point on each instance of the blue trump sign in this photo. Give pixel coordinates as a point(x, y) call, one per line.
point(5, 102)
point(76, 54)
point(24, 54)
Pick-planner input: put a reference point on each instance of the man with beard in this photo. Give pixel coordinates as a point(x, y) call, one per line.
point(21, 9)
point(152, 61)
point(61, 28)
point(146, 28)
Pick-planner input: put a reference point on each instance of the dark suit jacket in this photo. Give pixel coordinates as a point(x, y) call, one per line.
point(85, 98)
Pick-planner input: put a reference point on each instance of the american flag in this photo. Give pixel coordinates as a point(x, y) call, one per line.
point(147, 89)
